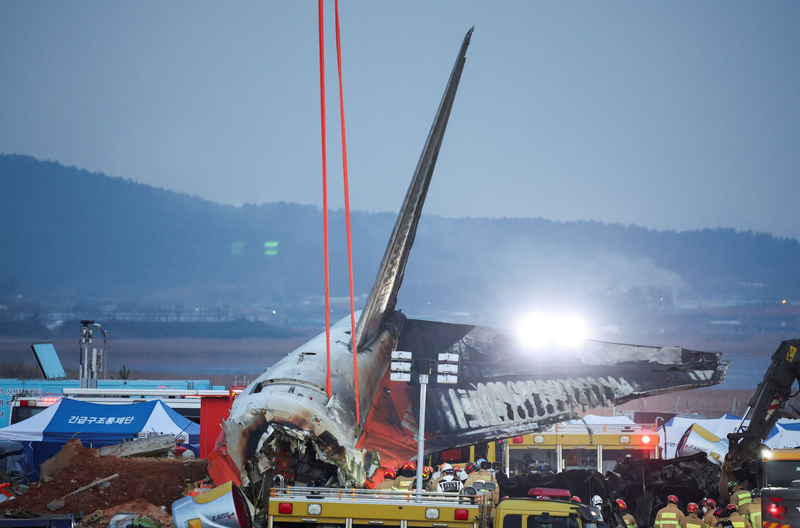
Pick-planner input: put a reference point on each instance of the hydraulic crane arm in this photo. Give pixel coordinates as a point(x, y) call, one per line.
point(763, 410)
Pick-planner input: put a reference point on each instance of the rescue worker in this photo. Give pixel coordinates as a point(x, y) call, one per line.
point(736, 519)
point(721, 514)
point(576, 499)
point(709, 506)
point(437, 476)
point(483, 476)
point(691, 520)
point(630, 522)
point(753, 513)
point(389, 477)
point(669, 516)
point(427, 472)
point(740, 497)
point(408, 477)
point(447, 481)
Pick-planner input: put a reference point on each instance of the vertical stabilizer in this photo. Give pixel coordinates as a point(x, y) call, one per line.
point(383, 296)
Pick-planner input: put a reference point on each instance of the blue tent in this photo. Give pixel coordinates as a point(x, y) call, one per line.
point(96, 425)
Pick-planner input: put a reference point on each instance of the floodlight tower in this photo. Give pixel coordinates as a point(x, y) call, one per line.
point(91, 363)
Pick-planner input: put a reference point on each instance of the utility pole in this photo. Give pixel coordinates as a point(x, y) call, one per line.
point(402, 365)
point(424, 367)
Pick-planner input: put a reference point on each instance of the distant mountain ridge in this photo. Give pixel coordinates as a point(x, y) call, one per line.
point(67, 233)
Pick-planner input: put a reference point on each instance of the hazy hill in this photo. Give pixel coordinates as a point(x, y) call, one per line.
point(67, 234)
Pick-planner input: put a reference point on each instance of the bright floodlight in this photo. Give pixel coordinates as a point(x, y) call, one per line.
point(540, 330)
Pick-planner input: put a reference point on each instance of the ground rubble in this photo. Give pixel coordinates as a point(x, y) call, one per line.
point(145, 485)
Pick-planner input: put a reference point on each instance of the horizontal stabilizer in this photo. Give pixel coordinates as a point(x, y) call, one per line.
point(505, 389)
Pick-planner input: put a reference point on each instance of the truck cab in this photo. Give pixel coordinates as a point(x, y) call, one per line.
point(780, 494)
point(543, 513)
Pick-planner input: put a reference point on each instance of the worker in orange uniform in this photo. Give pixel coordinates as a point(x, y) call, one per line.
point(753, 513)
point(740, 497)
point(408, 477)
point(669, 516)
point(630, 522)
point(478, 474)
point(389, 477)
point(736, 519)
point(709, 505)
point(723, 520)
point(691, 520)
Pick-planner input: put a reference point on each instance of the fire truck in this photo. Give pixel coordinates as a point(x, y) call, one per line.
point(300, 507)
point(562, 447)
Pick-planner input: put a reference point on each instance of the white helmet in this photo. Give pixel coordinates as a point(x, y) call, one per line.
point(445, 467)
point(597, 501)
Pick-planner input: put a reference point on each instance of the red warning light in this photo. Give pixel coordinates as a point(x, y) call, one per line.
point(646, 439)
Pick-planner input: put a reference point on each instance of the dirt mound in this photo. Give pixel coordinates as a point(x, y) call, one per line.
point(159, 481)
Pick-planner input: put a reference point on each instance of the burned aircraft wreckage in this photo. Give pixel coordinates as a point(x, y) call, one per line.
point(503, 388)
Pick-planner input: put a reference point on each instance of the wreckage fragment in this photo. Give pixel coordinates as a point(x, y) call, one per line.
point(642, 484)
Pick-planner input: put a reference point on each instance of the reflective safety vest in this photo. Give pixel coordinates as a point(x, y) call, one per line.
point(630, 522)
point(668, 517)
point(741, 499)
point(738, 521)
point(405, 483)
point(692, 521)
point(449, 486)
point(754, 513)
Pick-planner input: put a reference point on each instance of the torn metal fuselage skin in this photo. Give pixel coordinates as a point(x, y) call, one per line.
point(289, 402)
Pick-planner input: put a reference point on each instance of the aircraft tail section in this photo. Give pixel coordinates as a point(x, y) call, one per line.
point(383, 296)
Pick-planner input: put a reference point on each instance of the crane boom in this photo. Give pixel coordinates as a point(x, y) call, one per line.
point(763, 409)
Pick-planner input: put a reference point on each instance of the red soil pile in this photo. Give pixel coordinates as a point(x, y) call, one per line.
point(159, 481)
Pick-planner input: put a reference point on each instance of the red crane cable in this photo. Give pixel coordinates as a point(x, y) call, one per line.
point(347, 213)
point(325, 201)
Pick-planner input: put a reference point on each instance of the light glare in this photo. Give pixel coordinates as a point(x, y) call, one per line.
point(539, 331)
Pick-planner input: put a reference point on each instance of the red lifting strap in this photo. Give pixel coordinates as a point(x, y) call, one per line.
point(347, 214)
point(325, 201)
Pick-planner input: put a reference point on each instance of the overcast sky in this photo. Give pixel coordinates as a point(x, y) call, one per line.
point(670, 115)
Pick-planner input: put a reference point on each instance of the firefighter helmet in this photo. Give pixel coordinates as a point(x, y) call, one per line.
point(621, 504)
point(410, 466)
point(731, 508)
point(710, 504)
point(427, 471)
point(673, 499)
point(720, 513)
point(470, 468)
point(576, 499)
point(732, 484)
point(390, 473)
point(597, 501)
point(691, 507)
point(756, 493)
